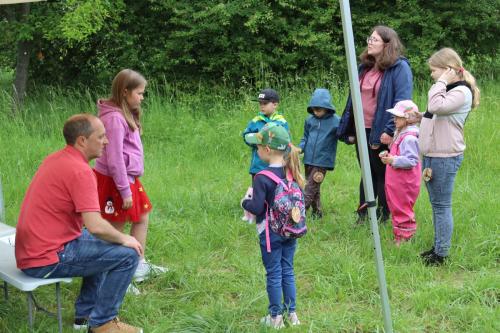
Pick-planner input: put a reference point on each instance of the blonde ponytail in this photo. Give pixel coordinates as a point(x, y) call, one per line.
point(471, 81)
point(292, 164)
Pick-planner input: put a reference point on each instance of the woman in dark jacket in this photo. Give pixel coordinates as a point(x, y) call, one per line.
point(385, 78)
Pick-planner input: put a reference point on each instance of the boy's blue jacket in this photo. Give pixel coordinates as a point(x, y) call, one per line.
point(396, 85)
point(254, 126)
point(319, 142)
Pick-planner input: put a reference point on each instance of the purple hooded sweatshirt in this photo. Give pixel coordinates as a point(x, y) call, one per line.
point(123, 157)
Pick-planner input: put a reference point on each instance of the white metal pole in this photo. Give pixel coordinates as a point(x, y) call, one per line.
point(2, 205)
point(363, 157)
point(13, 2)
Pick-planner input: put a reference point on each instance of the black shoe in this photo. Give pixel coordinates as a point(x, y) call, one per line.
point(383, 219)
point(317, 215)
point(427, 253)
point(383, 216)
point(361, 220)
point(434, 260)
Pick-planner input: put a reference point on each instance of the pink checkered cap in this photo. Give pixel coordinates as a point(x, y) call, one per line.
point(404, 108)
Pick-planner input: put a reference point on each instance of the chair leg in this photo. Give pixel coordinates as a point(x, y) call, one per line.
point(58, 300)
point(30, 310)
point(5, 290)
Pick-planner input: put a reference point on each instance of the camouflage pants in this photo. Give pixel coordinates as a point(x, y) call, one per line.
point(312, 194)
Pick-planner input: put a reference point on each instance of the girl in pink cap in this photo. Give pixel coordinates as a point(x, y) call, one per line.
point(402, 176)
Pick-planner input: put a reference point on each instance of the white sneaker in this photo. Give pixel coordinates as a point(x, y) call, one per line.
point(146, 269)
point(276, 322)
point(142, 271)
point(293, 320)
point(155, 269)
point(133, 290)
point(81, 324)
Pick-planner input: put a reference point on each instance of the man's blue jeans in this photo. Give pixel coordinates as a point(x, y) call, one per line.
point(106, 268)
point(279, 272)
point(440, 188)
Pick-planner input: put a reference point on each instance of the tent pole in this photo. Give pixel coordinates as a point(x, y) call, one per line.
point(363, 156)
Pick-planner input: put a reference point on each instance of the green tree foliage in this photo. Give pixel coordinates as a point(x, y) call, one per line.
point(242, 41)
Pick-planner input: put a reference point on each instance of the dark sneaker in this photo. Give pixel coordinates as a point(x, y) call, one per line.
point(317, 215)
point(434, 260)
point(362, 212)
point(80, 324)
point(361, 220)
point(384, 218)
point(427, 253)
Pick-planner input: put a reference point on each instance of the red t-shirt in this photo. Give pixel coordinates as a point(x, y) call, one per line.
point(370, 85)
point(63, 187)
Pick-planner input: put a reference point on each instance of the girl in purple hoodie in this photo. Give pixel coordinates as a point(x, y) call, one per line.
point(402, 176)
point(121, 195)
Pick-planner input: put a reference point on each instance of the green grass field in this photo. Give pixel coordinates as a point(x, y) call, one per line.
point(196, 173)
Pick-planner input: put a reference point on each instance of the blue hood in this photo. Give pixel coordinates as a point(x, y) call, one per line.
point(321, 98)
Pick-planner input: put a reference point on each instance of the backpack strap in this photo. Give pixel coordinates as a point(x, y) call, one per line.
point(268, 238)
point(404, 135)
point(277, 180)
point(271, 175)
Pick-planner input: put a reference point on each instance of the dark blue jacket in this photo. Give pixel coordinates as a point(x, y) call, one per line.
point(396, 85)
point(319, 142)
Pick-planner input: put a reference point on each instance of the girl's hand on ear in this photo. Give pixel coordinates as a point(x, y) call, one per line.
point(448, 76)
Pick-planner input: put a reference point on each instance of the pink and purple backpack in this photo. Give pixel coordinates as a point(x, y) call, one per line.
point(287, 214)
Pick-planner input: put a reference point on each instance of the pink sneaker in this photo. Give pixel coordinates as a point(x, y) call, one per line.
point(273, 322)
point(293, 320)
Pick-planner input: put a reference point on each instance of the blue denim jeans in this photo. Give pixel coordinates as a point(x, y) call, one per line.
point(440, 188)
point(106, 268)
point(279, 272)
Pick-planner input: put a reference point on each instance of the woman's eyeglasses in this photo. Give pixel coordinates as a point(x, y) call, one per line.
point(372, 40)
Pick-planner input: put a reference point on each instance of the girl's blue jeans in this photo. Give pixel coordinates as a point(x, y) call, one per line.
point(440, 188)
point(106, 268)
point(279, 272)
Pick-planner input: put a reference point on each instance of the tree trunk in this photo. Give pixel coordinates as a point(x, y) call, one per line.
point(22, 65)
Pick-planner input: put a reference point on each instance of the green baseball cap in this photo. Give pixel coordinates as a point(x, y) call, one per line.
point(273, 135)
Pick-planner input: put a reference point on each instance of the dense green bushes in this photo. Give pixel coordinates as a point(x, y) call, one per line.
point(241, 41)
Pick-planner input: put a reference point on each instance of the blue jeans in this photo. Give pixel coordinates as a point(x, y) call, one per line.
point(106, 268)
point(279, 272)
point(440, 188)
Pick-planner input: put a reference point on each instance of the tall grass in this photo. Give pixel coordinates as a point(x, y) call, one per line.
point(196, 173)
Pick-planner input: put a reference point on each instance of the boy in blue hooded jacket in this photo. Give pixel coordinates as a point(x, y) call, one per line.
point(319, 145)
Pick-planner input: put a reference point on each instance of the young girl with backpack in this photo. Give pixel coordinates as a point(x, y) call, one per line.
point(121, 195)
point(402, 176)
point(277, 247)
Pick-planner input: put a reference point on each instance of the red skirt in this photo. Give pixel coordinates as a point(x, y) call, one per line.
point(111, 201)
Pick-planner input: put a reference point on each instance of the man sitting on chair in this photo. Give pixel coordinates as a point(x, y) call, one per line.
point(50, 241)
